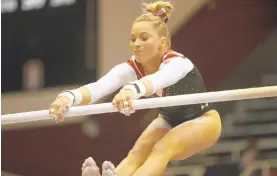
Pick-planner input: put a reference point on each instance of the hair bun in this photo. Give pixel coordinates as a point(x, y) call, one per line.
point(159, 8)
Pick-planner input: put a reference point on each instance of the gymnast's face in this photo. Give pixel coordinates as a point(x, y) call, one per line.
point(145, 42)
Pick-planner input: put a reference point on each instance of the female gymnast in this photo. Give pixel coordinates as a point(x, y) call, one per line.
point(153, 70)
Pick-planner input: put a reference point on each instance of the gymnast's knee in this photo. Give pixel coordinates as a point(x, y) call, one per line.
point(162, 150)
point(139, 153)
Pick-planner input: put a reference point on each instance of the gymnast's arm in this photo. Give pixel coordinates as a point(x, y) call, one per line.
point(114, 79)
point(169, 73)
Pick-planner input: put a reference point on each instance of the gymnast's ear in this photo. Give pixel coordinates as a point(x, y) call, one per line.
point(163, 43)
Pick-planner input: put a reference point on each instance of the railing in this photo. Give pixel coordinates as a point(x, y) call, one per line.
point(264, 166)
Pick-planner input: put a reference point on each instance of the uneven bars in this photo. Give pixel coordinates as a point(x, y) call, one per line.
point(198, 98)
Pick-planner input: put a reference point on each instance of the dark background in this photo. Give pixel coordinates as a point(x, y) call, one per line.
point(55, 35)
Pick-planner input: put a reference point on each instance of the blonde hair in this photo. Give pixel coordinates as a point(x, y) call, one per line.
point(152, 13)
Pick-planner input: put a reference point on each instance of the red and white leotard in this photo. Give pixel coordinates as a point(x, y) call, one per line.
point(174, 66)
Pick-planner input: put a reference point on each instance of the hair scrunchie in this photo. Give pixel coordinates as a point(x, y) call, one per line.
point(161, 13)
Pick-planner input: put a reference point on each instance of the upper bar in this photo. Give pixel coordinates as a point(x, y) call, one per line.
point(207, 97)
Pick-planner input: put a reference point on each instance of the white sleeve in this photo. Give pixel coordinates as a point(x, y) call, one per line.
point(113, 80)
point(170, 73)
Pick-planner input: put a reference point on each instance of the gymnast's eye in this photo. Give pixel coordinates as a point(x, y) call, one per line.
point(144, 38)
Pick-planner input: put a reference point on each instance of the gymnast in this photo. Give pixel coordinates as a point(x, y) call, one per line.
point(153, 70)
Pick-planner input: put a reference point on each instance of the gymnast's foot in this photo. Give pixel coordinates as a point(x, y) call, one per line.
point(89, 168)
point(108, 169)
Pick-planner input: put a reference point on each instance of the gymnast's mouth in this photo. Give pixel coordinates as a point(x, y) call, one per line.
point(138, 52)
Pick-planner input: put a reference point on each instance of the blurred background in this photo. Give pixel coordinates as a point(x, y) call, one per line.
point(52, 45)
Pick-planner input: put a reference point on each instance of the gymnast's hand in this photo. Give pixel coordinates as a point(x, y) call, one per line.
point(58, 107)
point(123, 101)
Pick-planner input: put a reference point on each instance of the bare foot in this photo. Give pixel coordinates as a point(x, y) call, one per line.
point(108, 169)
point(89, 168)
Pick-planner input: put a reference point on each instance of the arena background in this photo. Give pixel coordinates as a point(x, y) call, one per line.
point(52, 45)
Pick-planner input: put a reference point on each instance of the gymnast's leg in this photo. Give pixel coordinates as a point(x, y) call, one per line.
point(143, 146)
point(182, 142)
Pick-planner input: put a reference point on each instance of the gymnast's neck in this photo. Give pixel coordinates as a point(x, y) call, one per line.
point(152, 66)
